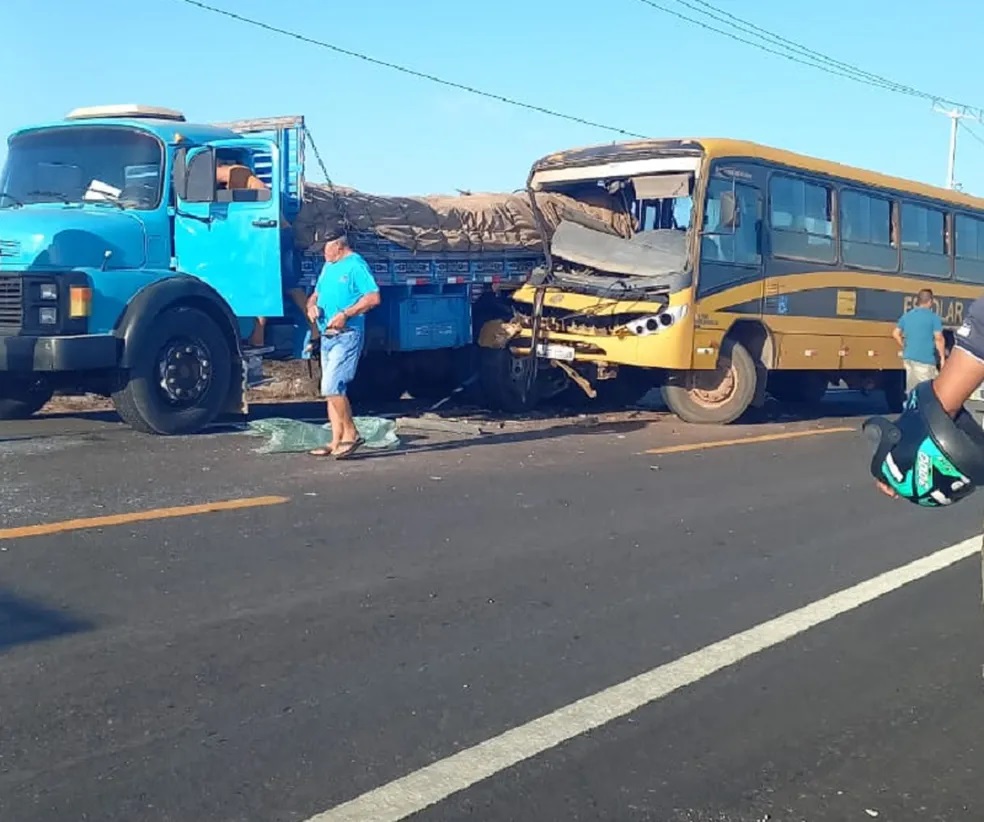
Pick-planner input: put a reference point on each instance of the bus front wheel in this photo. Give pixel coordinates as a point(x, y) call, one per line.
point(717, 396)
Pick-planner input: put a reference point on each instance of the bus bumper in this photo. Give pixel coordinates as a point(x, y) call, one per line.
point(89, 352)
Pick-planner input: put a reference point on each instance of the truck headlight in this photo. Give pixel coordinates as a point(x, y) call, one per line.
point(49, 291)
point(48, 316)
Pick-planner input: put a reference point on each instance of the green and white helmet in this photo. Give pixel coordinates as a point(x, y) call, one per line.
point(926, 456)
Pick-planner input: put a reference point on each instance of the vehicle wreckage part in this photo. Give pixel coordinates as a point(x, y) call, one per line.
point(576, 378)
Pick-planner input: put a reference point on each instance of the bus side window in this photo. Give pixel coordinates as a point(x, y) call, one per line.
point(801, 217)
point(969, 249)
point(923, 244)
point(866, 232)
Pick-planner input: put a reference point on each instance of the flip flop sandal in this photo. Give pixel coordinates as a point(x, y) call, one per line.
point(347, 449)
point(321, 452)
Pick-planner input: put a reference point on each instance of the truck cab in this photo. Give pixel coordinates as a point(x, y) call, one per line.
point(127, 270)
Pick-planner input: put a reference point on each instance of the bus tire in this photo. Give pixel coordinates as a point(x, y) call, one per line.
point(717, 397)
point(182, 378)
point(504, 381)
point(21, 398)
point(893, 386)
point(798, 387)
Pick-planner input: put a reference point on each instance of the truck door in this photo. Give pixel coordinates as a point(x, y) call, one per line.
point(230, 239)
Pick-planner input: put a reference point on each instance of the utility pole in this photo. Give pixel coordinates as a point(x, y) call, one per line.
point(956, 114)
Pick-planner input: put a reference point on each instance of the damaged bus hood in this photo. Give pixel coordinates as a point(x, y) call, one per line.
point(650, 261)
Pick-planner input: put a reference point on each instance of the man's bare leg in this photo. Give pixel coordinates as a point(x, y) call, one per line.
point(337, 424)
point(258, 337)
point(342, 425)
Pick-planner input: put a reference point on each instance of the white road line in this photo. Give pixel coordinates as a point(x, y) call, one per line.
point(428, 786)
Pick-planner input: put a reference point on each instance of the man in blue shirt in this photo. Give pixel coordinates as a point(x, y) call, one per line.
point(344, 293)
point(920, 334)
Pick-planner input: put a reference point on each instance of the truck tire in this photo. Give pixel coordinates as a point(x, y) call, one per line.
point(183, 378)
point(379, 379)
point(504, 381)
point(717, 397)
point(21, 398)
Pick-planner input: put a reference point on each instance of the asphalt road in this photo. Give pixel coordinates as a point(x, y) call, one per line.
point(275, 660)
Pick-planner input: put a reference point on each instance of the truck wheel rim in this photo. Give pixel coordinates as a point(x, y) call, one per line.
point(184, 371)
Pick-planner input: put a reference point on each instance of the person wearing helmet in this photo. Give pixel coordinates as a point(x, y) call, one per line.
point(933, 454)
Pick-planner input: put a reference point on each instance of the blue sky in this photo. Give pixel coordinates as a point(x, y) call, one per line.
point(613, 61)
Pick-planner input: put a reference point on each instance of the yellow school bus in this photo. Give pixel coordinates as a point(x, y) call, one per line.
point(721, 270)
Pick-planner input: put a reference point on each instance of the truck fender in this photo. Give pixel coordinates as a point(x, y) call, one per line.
point(181, 289)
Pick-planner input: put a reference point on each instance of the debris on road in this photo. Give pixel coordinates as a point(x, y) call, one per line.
point(288, 436)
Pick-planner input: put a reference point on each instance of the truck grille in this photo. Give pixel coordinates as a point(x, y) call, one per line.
point(11, 303)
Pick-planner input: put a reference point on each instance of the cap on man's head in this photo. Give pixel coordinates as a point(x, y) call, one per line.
point(335, 233)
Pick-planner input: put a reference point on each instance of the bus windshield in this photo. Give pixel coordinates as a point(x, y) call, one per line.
point(83, 164)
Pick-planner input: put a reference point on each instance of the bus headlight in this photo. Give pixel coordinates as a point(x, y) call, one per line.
point(48, 316)
point(49, 291)
point(654, 323)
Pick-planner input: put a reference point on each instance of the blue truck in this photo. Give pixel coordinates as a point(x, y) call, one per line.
point(126, 271)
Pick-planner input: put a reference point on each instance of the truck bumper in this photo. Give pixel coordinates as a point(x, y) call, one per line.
point(90, 352)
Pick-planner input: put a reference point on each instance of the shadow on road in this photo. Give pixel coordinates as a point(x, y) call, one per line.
point(23, 622)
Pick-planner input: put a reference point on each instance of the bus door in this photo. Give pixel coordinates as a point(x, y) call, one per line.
point(731, 253)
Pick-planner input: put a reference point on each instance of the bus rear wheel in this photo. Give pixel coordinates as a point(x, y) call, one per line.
point(798, 387)
point(715, 397)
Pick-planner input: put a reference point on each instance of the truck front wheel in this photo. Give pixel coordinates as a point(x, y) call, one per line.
point(505, 380)
point(183, 377)
point(22, 397)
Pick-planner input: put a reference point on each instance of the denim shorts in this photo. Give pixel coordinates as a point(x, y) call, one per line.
point(339, 361)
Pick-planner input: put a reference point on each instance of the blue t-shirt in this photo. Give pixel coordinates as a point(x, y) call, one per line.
point(341, 285)
point(919, 327)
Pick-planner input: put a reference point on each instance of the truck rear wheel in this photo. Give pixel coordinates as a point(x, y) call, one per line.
point(716, 397)
point(22, 397)
point(182, 381)
point(505, 381)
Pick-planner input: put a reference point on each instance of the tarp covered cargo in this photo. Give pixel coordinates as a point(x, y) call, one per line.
point(469, 222)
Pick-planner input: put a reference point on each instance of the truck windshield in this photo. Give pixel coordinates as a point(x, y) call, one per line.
point(83, 164)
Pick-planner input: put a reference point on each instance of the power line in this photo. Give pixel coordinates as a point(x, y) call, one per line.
point(726, 17)
point(973, 133)
point(780, 46)
point(410, 71)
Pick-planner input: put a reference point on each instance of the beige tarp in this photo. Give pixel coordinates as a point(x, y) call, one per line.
point(470, 222)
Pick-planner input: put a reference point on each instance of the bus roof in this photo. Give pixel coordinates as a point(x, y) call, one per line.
point(713, 147)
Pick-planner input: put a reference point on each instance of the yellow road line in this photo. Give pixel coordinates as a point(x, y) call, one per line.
point(787, 435)
point(137, 516)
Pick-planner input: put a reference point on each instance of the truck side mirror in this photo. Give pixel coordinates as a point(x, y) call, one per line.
point(199, 183)
point(194, 177)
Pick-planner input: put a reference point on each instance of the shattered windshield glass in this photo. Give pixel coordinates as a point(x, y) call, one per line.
point(659, 208)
